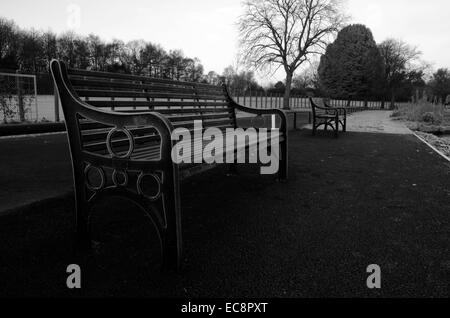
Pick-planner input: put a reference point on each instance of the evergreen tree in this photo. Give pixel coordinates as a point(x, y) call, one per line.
point(352, 66)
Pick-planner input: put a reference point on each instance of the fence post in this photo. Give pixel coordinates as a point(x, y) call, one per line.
point(257, 96)
point(20, 99)
point(36, 98)
point(266, 99)
point(262, 99)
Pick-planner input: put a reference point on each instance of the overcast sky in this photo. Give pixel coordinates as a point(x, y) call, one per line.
point(207, 28)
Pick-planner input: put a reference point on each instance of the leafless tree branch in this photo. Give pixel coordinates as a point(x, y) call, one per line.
point(285, 33)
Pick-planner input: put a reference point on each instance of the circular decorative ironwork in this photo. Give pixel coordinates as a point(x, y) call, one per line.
point(141, 190)
point(100, 172)
point(115, 179)
point(130, 140)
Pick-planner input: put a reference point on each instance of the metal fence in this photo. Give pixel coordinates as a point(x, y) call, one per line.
point(48, 108)
point(18, 97)
point(262, 101)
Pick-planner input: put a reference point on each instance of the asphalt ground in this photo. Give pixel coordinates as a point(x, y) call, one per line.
point(361, 199)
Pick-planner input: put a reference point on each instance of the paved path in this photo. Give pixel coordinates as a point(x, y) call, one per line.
point(375, 121)
point(33, 169)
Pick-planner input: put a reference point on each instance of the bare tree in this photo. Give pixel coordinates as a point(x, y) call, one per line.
point(399, 58)
point(285, 33)
point(8, 43)
point(308, 79)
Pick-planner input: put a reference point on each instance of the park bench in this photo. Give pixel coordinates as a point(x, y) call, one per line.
point(328, 116)
point(119, 128)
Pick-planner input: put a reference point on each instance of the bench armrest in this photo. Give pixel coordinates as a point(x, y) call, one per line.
point(328, 110)
point(122, 120)
point(258, 112)
point(74, 107)
point(337, 111)
point(341, 110)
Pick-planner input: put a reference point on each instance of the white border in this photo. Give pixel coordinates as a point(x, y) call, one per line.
point(432, 147)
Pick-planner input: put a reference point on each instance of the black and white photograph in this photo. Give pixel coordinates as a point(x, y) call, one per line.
point(224, 156)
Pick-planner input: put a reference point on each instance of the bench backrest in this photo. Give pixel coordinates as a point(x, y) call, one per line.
point(181, 102)
point(318, 106)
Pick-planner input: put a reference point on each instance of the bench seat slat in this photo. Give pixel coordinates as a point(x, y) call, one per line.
point(152, 151)
point(95, 145)
point(187, 121)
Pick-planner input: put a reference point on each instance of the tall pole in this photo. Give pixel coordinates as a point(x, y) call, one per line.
point(20, 99)
point(36, 98)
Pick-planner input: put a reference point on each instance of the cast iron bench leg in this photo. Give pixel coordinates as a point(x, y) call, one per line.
point(82, 211)
point(171, 236)
point(283, 172)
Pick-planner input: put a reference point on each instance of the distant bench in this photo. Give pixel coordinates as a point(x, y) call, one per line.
point(119, 128)
point(328, 116)
point(315, 113)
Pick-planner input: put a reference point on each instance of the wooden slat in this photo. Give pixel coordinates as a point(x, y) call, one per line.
point(186, 120)
point(97, 141)
point(134, 94)
point(120, 142)
point(153, 104)
point(92, 135)
point(181, 102)
point(152, 151)
point(130, 77)
point(193, 110)
point(88, 125)
point(205, 123)
point(81, 83)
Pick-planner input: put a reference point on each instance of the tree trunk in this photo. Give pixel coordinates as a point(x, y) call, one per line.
point(392, 100)
point(287, 91)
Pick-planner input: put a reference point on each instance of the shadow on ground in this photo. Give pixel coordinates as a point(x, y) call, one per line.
point(358, 200)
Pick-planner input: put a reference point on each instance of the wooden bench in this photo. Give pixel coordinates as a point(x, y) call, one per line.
point(119, 128)
point(328, 116)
